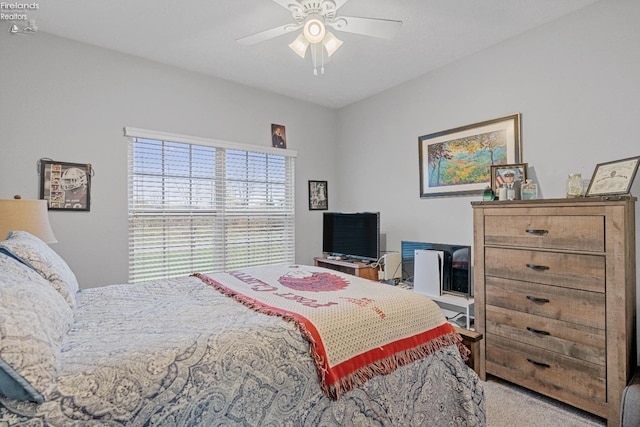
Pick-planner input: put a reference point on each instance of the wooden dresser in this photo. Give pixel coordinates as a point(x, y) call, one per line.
point(554, 286)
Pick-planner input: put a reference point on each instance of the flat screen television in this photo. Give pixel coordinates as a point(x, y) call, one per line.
point(354, 235)
point(456, 270)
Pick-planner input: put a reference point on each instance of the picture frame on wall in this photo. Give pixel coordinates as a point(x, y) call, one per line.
point(278, 136)
point(513, 176)
point(457, 161)
point(318, 196)
point(613, 178)
point(65, 186)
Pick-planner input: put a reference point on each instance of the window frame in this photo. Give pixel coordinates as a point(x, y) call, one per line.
point(246, 220)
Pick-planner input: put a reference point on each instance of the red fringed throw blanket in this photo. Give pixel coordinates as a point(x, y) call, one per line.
point(357, 328)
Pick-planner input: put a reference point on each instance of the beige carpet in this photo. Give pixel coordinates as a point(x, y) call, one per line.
point(509, 405)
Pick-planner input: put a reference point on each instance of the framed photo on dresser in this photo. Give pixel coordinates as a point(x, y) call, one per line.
point(512, 175)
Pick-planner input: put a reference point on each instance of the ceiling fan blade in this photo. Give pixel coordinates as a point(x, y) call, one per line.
point(382, 28)
point(339, 3)
point(287, 3)
point(268, 34)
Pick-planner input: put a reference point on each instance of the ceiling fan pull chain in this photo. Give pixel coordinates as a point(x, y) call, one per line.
point(314, 57)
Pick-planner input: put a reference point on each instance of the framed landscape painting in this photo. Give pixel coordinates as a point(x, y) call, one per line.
point(458, 161)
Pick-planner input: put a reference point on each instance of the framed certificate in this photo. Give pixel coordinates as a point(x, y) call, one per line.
point(613, 177)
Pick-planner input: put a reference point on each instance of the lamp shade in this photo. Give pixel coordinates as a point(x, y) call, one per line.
point(299, 46)
point(26, 215)
point(331, 43)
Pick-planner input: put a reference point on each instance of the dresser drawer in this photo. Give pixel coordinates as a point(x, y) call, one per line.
point(570, 339)
point(568, 305)
point(576, 271)
point(571, 380)
point(572, 232)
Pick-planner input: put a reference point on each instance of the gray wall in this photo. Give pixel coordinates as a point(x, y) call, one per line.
point(69, 101)
point(575, 81)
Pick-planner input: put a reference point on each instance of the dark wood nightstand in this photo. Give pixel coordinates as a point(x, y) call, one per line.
point(471, 339)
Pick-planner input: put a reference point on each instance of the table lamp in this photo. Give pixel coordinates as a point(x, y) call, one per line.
point(25, 215)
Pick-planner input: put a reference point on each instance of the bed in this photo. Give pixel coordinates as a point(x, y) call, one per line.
point(204, 351)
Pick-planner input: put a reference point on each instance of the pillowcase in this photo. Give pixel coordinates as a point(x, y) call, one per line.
point(35, 253)
point(34, 318)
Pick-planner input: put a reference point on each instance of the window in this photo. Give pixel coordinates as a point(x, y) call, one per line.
point(206, 206)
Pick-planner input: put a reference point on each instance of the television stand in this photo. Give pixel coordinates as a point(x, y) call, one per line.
point(357, 268)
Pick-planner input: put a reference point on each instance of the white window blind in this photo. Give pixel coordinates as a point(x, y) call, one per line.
point(207, 208)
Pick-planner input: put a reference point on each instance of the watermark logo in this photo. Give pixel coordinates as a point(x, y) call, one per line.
point(18, 15)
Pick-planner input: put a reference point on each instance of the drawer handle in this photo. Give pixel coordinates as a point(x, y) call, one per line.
point(536, 232)
point(537, 267)
point(542, 365)
point(537, 331)
point(538, 300)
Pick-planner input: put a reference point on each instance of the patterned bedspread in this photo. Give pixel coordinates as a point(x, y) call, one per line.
point(179, 353)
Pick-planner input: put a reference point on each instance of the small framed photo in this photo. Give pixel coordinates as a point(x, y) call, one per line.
point(614, 177)
point(513, 176)
point(318, 196)
point(65, 186)
point(278, 136)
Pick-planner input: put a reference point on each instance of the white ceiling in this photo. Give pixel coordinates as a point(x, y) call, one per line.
point(200, 35)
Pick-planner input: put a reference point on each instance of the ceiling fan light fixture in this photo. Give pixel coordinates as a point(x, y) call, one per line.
point(313, 17)
point(314, 30)
point(331, 43)
point(299, 45)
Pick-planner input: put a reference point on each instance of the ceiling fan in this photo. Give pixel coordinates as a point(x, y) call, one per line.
point(314, 16)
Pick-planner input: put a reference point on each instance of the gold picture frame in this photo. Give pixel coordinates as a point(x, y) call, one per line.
point(456, 161)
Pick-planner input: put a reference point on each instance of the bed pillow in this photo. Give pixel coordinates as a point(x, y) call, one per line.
point(34, 318)
point(35, 253)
